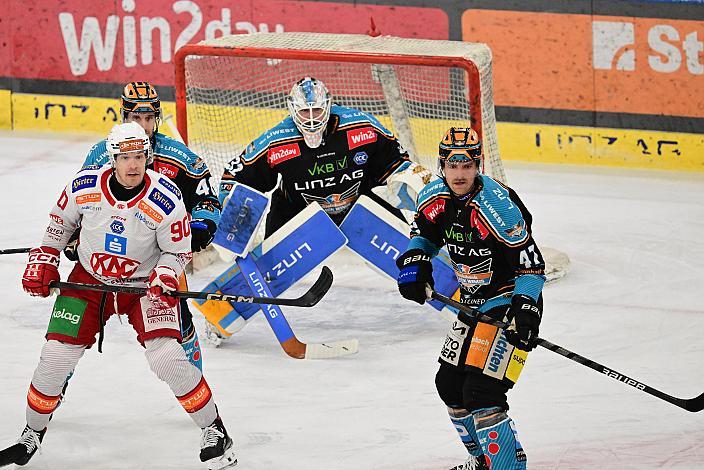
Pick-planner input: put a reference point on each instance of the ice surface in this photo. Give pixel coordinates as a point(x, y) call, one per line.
point(632, 301)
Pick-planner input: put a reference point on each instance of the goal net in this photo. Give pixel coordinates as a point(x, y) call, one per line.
point(231, 89)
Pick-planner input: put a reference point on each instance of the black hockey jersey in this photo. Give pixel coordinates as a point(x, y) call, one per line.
point(488, 236)
point(357, 154)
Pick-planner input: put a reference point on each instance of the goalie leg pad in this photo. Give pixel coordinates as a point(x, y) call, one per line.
point(293, 251)
point(380, 238)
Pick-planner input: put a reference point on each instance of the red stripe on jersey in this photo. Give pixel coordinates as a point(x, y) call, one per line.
point(105, 187)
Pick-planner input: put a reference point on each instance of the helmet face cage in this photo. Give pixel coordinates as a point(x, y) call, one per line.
point(460, 144)
point(140, 97)
point(309, 105)
point(126, 138)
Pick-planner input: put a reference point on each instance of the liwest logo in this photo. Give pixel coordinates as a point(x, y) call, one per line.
point(359, 137)
point(617, 46)
point(282, 153)
point(68, 316)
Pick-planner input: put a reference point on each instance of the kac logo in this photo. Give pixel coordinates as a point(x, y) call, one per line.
point(360, 158)
point(117, 227)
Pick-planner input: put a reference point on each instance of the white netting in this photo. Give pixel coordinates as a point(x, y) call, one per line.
point(238, 93)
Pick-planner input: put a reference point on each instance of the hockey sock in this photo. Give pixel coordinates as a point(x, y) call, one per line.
point(169, 362)
point(56, 362)
point(499, 439)
point(464, 424)
point(191, 346)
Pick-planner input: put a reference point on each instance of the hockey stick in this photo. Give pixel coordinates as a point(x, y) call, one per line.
point(280, 326)
point(12, 251)
point(309, 299)
point(470, 315)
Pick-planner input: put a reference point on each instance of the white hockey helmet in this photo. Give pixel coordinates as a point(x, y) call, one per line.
point(126, 138)
point(309, 105)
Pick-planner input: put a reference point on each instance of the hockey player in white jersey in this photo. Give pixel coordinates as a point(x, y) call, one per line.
point(135, 232)
point(141, 103)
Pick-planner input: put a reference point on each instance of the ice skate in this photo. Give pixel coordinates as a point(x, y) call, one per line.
point(216, 447)
point(212, 336)
point(27, 445)
point(473, 463)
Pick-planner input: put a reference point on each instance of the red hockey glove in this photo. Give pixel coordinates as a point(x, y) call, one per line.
point(42, 269)
point(162, 280)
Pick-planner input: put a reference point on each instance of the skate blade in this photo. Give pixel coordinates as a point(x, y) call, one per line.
point(226, 460)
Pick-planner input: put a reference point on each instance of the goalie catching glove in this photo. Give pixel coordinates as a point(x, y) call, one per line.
point(162, 281)
point(42, 269)
point(527, 315)
point(416, 271)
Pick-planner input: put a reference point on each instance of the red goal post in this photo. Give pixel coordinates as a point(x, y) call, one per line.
point(231, 89)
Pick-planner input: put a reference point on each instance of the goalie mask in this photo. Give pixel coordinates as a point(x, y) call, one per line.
point(460, 144)
point(309, 105)
point(128, 138)
point(139, 97)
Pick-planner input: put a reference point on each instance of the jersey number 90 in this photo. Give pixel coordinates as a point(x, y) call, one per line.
point(180, 229)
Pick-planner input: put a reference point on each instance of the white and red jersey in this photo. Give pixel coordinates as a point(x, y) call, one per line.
point(122, 241)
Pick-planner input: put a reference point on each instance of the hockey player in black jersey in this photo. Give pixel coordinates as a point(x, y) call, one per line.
point(487, 232)
point(322, 153)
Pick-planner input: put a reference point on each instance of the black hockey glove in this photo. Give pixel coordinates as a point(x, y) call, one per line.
point(415, 271)
point(71, 250)
point(527, 315)
point(202, 233)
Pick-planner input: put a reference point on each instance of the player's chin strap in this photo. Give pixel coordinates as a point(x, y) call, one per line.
point(469, 315)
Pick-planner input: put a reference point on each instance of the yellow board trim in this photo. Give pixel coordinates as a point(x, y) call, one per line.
point(627, 148)
point(540, 143)
point(72, 114)
point(5, 109)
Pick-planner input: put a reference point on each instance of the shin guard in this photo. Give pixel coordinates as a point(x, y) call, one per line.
point(464, 424)
point(499, 440)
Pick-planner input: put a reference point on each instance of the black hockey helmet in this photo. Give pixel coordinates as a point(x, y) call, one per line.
point(460, 144)
point(140, 97)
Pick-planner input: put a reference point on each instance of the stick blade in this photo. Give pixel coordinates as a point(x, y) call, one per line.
point(695, 405)
point(319, 289)
point(332, 349)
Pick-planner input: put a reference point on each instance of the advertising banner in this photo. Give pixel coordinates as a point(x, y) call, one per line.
point(593, 63)
point(120, 41)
